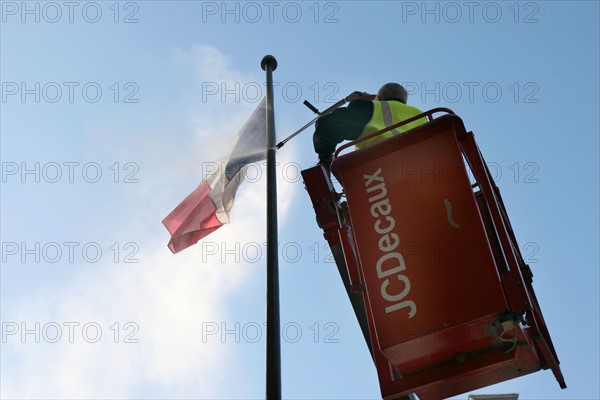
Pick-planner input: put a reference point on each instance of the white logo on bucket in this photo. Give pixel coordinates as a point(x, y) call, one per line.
point(388, 242)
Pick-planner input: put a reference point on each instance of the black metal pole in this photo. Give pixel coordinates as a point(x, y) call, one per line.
point(269, 64)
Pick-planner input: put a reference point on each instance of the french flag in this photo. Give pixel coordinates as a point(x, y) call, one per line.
point(207, 208)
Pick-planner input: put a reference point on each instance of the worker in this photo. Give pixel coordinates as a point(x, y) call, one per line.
point(363, 117)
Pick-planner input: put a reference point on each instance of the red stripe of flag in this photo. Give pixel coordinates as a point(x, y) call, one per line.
point(207, 208)
point(194, 218)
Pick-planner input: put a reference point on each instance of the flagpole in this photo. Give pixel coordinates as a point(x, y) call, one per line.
point(273, 392)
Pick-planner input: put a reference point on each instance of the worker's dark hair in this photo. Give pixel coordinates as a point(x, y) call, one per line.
point(393, 91)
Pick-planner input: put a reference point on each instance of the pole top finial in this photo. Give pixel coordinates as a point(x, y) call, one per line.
point(268, 60)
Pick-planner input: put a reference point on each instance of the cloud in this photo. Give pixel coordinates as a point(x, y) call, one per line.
point(165, 301)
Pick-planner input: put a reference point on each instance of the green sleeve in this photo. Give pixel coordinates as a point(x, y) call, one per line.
point(343, 124)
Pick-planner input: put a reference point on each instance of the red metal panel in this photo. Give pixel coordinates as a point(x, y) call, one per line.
point(422, 245)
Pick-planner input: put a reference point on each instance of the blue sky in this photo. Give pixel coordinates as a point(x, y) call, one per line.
point(117, 110)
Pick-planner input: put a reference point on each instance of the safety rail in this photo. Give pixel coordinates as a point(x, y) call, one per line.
point(428, 114)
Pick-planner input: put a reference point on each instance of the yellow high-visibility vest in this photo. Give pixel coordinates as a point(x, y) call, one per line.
point(388, 113)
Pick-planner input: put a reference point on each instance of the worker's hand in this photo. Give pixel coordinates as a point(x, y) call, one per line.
point(367, 96)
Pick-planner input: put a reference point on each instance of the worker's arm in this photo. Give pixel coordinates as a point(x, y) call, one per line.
point(342, 124)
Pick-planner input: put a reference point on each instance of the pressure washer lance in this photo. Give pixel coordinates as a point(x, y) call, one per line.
point(352, 96)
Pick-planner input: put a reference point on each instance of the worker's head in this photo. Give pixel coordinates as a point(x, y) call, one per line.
point(392, 91)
